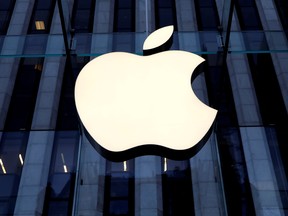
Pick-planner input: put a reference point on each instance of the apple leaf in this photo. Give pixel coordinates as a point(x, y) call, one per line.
point(158, 38)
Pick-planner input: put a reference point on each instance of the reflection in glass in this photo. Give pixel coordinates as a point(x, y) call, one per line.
point(12, 145)
point(41, 17)
point(60, 187)
point(119, 188)
point(177, 188)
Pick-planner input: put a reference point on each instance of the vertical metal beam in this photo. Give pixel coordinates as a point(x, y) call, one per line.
point(63, 26)
point(226, 26)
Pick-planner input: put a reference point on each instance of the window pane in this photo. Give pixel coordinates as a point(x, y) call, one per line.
point(44, 4)
point(124, 16)
point(65, 150)
point(81, 20)
point(24, 95)
point(12, 156)
point(176, 188)
point(83, 15)
point(165, 13)
point(119, 207)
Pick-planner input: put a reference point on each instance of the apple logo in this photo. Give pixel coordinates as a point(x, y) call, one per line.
point(131, 105)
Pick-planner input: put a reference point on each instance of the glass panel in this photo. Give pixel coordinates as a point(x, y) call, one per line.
point(34, 43)
point(59, 194)
point(119, 188)
point(65, 151)
point(207, 15)
point(282, 7)
point(12, 157)
point(6, 9)
point(42, 11)
point(177, 188)
point(81, 20)
point(3, 21)
point(124, 17)
point(280, 166)
point(83, 15)
point(248, 15)
point(165, 13)
point(24, 95)
point(206, 20)
point(58, 208)
point(61, 182)
point(84, 4)
point(67, 118)
point(203, 42)
point(235, 177)
point(44, 4)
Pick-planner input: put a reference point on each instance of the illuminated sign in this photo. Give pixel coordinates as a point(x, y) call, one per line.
point(133, 105)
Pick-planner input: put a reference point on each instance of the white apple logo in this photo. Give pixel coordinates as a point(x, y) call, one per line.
point(132, 105)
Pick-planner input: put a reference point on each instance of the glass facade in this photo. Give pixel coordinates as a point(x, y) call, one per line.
point(48, 166)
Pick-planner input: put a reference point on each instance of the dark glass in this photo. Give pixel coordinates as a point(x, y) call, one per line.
point(119, 189)
point(177, 188)
point(44, 4)
point(59, 194)
point(205, 3)
point(40, 15)
point(233, 166)
point(43, 11)
point(4, 20)
point(124, 16)
point(35, 44)
point(207, 15)
point(81, 21)
point(234, 172)
point(165, 13)
point(269, 96)
point(86, 4)
point(65, 152)
point(282, 184)
point(12, 155)
point(270, 100)
point(206, 21)
point(61, 182)
point(6, 9)
point(248, 15)
point(124, 42)
point(267, 89)
point(24, 95)
point(282, 8)
point(124, 20)
point(67, 118)
point(83, 16)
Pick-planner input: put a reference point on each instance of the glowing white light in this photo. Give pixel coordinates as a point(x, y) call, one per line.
point(65, 168)
point(21, 159)
point(125, 100)
point(158, 37)
point(63, 161)
point(165, 164)
point(2, 166)
point(125, 165)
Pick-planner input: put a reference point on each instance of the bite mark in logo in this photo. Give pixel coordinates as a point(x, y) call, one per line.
point(133, 105)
